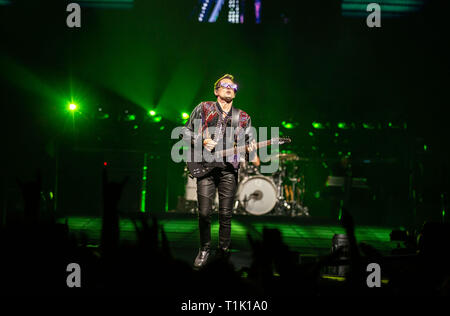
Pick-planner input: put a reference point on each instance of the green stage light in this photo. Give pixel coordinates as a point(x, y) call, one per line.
point(152, 113)
point(101, 115)
point(144, 184)
point(368, 125)
point(342, 125)
point(317, 125)
point(185, 115)
point(130, 117)
point(157, 119)
point(72, 106)
point(287, 125)
point(443, 207)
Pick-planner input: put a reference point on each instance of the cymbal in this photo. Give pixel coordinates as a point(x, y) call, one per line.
point(285, 157)
point(288, 156)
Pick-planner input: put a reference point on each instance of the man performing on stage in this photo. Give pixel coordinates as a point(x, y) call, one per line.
point(219, 115)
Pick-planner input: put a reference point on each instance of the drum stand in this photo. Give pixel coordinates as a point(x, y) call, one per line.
point(290, 197)
point(297, 204)
point(282, 206)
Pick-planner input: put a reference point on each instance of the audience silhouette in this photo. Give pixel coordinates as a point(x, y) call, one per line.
point(36, 250)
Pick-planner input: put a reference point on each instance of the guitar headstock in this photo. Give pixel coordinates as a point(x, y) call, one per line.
point(280, 140)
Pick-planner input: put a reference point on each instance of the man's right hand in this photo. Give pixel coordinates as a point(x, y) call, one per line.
point(209, 144)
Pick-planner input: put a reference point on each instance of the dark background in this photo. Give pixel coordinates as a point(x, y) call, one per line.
point(320, 66)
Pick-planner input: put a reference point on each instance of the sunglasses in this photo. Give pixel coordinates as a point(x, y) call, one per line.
point(228, 85)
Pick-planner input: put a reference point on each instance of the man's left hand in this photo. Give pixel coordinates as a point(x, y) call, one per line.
point(252, 146)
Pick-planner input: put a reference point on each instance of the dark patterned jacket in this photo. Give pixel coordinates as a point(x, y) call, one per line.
point(209, 114)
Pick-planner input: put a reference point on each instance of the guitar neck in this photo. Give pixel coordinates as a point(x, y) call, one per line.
point(241, 149)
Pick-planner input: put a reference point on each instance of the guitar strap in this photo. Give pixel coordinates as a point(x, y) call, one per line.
point(235, 118)
point(235, 125)
point(235, 122)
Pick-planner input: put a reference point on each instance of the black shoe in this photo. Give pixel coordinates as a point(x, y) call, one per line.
point(223, 253)
point(202, 258)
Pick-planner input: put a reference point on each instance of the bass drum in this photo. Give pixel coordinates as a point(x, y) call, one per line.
point(257, 195)
point(191, 189)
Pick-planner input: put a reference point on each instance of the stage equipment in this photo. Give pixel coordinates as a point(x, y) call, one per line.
point(257, 195)
point(340, 243)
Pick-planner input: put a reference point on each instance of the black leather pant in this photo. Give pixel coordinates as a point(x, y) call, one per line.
point(226, 183)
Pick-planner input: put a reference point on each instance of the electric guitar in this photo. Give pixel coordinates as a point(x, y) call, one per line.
point(202, 168)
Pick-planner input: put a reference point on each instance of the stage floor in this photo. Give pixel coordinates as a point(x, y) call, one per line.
point(310, 237)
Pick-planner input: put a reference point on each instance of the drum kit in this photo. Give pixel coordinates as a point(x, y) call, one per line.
point(282, 193)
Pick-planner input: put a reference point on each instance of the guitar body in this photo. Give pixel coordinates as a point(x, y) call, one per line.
point(200, 169)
